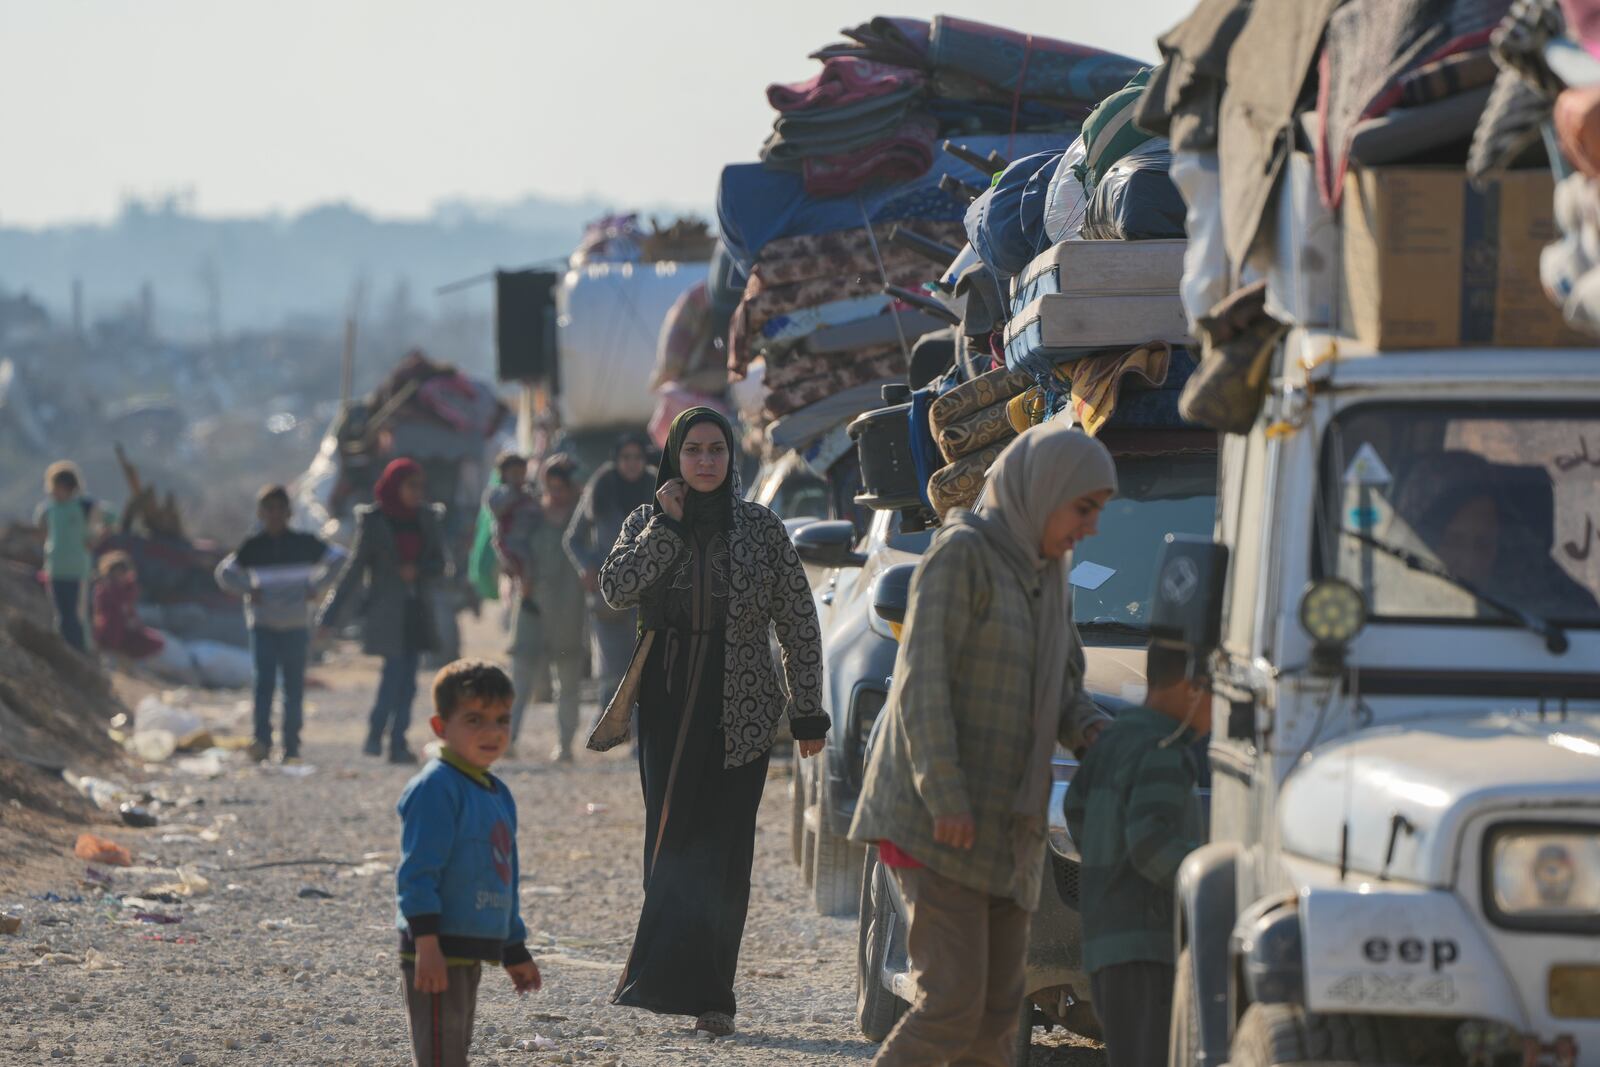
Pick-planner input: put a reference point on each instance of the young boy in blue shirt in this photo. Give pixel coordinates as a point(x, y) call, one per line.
point(458, 875)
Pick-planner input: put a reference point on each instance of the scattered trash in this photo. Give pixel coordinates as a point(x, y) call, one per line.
point(596, 809)
point(59, 958)
point(544, 891)
point(153, 746)
point(160, 918)
point(53, 897)
point(137, 816)
point(161, 713)
point(190, 883)
point(96, 877)
point(95, 960)
point(206, 765)
point(100, 850)
point(539, 1043)
point(289, 770)
point(148, 898)
point(99, 792)
point(10, 924)
point(276, 925)
point(311, 892)
point(366, 870)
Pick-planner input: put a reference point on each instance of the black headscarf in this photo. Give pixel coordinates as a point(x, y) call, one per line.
point(706, 514)
point(614, 494)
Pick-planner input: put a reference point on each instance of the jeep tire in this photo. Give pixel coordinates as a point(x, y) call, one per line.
point(1273, 1034)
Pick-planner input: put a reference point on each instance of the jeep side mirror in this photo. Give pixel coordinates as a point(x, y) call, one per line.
point(891, 593)
point(1186, 604)
point(828, 544)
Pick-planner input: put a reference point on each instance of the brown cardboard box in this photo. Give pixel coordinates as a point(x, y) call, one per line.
point(1431, 262)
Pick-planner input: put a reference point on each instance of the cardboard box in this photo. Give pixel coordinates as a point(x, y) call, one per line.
point(1431, 262)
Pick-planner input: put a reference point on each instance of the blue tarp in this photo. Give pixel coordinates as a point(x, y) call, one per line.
point(756, 205)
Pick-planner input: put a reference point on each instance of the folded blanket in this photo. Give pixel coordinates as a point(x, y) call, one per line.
point(960, 484)
point(975, 432)
point(968, 398)
point(843, 80)
point(905, 154)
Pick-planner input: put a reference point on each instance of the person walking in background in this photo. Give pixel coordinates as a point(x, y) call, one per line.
point(987, 680)
point(397, 556)
point(548, 636)
point(118, 630)
point(1135, 814)
point(69, 521)
point(617, 489)
point(713, 577)
point(281, 573)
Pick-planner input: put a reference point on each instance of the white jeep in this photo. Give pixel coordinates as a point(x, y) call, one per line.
point(1400, 609)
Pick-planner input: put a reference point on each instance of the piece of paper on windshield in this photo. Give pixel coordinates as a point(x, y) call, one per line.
point(1090, 576)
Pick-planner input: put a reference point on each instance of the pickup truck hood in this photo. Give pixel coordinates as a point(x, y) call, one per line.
point(1437, 775)
point(1115, 672)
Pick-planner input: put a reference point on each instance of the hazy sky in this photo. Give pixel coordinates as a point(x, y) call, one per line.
point(395, 104)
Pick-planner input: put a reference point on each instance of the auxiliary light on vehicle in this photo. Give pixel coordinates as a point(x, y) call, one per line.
point(1546, 873)
point(1332, 612)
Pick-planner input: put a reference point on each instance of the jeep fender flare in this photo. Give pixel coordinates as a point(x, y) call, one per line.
point(1205, 916)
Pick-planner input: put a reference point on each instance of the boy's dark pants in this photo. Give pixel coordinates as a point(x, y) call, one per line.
point(441, 1023)
point(1134, 1003)
point(282, 651)
point(66, 593)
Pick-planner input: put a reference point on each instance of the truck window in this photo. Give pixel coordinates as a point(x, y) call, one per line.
point(1156, 495)
point(1506, 499)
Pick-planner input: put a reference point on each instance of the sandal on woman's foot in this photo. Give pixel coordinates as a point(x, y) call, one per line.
point(715, 1023)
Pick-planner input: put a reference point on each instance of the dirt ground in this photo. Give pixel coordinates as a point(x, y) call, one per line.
point(256, 965)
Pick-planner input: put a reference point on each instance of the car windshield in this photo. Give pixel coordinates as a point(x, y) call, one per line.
point(1156, 495)
point(1502, 501)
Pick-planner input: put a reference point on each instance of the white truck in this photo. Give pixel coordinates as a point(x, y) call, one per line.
point(1400, 609)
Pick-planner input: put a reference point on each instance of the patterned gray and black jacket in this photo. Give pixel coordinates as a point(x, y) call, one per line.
point(767, 593)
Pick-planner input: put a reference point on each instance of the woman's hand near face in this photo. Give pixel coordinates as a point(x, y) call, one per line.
point(811, 748)
point(670, 497)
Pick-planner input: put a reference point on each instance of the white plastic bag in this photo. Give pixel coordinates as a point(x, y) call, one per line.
point(1065, 202)
point(221, 666)
point(1198, 177)
point(173, 663)
point(153, 713)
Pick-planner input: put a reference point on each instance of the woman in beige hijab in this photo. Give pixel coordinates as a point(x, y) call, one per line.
point(987, 681)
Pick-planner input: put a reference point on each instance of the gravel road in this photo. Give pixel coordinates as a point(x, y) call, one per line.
point(261, 968)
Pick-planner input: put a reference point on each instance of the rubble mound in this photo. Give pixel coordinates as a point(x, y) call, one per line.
point(55, 703)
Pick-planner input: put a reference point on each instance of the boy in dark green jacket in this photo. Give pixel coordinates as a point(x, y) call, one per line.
point(1134, 813)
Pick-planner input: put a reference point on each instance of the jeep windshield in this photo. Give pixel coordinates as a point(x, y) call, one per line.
point(1499, 504)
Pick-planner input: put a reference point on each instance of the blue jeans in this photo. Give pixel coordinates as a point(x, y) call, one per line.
point(397, 688)
point(69, 623)
point(275, 652)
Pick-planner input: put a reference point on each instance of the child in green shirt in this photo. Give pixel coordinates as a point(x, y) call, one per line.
point(68, 520)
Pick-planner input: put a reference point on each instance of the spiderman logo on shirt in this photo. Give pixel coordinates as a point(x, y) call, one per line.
point(500, 850)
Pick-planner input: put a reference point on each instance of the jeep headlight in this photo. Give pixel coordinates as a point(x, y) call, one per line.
point(1545, 873)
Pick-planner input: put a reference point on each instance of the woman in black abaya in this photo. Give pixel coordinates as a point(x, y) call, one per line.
point(712, 576)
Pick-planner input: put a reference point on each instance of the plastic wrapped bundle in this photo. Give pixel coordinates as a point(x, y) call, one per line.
point(1136, 201)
